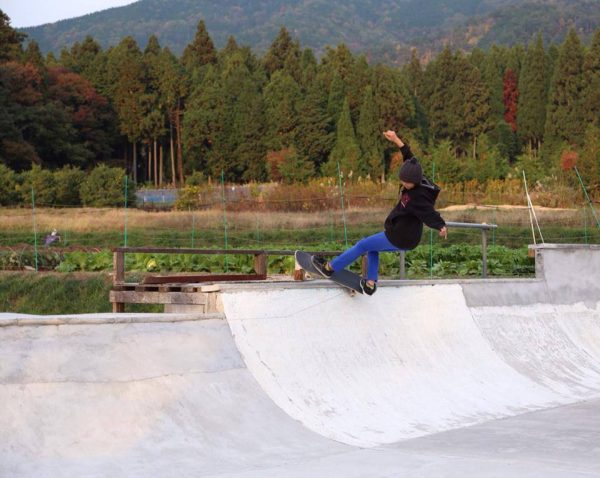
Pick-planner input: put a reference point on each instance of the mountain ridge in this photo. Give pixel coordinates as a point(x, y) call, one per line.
point(384, 30)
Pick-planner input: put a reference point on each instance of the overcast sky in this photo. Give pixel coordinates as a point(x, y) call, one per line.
point(28, 13)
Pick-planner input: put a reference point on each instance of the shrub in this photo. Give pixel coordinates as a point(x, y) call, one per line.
point(44, 186)
point(314, 196)
point(105, 187)
point(295, 169)
point(197, 178)
point(8, 186)
point(68, 182)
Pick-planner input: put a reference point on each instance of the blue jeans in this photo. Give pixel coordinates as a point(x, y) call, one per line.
point(372, 246)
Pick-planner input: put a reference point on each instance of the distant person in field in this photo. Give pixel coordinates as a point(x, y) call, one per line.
point(403, 226)
point(51, 238)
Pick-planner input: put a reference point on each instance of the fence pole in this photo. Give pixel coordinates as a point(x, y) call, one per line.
point(402, 264)
point(224, 217)
point(494, 230)
point(330, 225)
point(585, 228)
point(484, 270)
point(343, 206)
point(431, 231)
point(35, 244)
point(257, 229)
point(193, 227)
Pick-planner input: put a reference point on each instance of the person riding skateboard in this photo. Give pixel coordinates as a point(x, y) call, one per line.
point(403, 226)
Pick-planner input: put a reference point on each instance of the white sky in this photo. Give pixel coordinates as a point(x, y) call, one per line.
point(27, 13)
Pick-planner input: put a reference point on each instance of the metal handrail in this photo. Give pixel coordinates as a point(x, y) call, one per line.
point(462, 225)
point(261, 254)
point(472, 225)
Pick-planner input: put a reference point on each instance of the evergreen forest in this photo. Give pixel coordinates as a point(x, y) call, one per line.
point(286, 116)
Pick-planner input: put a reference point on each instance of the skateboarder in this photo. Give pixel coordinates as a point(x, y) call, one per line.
point(403, 226)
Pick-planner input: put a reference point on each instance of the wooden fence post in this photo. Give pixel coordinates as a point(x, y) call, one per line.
point(118, 277)
point(260, 264)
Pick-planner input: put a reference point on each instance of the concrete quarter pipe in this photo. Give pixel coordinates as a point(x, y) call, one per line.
point(470, 378)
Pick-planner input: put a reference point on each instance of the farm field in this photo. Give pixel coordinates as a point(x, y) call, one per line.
point(88, 235)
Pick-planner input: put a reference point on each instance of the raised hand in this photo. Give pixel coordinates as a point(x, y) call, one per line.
point(393, 137)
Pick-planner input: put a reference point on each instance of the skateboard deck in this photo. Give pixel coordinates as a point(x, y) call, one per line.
point(345, 278)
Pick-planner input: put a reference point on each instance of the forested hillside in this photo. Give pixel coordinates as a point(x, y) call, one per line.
point(384, 30)
point(286, 116)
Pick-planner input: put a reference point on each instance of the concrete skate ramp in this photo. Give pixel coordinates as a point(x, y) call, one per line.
point(416, 361)
point(302, 380)
point(143, 398)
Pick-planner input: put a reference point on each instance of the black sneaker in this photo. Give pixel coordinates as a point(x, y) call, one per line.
point(320, 264)
point(366, 288)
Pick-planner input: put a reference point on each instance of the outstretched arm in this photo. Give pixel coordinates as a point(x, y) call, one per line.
point(432, 218)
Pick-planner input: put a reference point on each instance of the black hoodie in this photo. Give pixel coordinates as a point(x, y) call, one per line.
point(404, 225)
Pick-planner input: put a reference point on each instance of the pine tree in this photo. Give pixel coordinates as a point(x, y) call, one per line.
point(531, 113)
point(335, 101)
point(203, 122)
point(492, 74)
point(308, 65)
point(504, 139)
point(552, 58)
point(588, 163)
point(250, 152)
point(369, 136)
point(339, 61)
point(477, 58)
point(346, 152)
point(475, 111)
point(292, 65)
point(172, 89)
point(448, 168)
point(515, 56)
point(414, 74)
point(10, 40)
point(34, 56)
point(154, 122)
point(393, 100)
point(152, 47)
point(283, 48)
point(294, 169)
point(88, 59)
point(591, 81)
point(281, 97)
point(358, 79)
point(511, 98)
point(415, 79)
point(564, 113)
point(128, 92)
point(201, 51)
point(439, 81)
point(249, 126)
point(230, 49)
point(314, 139)
point(51, 60)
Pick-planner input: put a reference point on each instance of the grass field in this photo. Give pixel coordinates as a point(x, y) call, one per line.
point(53, 293)
point(105, 228)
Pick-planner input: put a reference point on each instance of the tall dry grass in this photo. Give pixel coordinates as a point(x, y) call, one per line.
point(105, 219)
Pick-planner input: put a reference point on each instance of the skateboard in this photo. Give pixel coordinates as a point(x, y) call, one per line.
point(345, 278)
